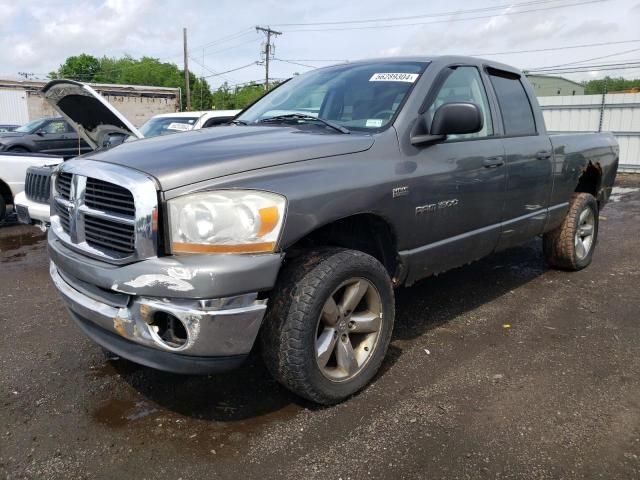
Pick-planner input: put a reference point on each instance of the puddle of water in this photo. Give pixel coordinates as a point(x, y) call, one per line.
point(618, 192)
point(118, 413)
point(22, 239)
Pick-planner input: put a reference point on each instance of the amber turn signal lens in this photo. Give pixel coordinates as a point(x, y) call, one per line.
point(265, 247)
point(269, 217)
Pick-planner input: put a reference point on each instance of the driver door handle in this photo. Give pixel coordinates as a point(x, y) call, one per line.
point(543, 155)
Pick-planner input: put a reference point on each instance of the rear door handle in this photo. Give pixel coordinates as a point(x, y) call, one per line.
point(543, 155)
point(493, 162)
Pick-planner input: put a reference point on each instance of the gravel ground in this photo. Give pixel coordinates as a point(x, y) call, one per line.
point(501, 369)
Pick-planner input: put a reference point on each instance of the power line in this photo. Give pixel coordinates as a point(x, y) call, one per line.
point(313, 60)
point(232, 70)
point(551, 49)
point(588, 68)
point(231, 48)
point(227, 38)
point(224, 39)
point(443, 21)
point(209, 69)
point(294, 63)
point(413, 17)
point(592, 58)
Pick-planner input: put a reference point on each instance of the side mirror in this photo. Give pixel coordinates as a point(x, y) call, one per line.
point(40, 133)
point(457, 119)
point(452, 119)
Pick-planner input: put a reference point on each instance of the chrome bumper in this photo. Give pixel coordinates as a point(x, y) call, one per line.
point(214, 328)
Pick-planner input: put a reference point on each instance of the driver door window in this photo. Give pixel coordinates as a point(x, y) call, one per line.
point(464, 85)
point(55, 127)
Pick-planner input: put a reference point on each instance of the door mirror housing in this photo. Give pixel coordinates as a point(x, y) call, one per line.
point(451, 119)
point(457, 119)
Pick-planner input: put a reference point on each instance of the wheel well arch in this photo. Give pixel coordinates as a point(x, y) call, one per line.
point(590, 180)
point(366, 232)
point(5, 192)
point(19, 145)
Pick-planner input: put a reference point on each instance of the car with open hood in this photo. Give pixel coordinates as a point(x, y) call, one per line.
point(99, 125)
point(86, 122)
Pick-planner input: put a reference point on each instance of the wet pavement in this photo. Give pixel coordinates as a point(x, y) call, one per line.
point(501, 369)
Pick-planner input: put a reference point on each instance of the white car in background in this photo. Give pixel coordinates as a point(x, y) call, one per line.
point(167, 123)
point(13, 170)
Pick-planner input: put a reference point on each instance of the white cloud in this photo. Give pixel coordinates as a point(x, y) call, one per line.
point(60, 32)
point(41, 35)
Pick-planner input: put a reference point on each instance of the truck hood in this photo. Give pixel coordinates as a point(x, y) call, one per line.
point(88, 113)
point(198, 155)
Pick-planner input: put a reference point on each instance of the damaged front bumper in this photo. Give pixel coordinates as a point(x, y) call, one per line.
point(152, 320)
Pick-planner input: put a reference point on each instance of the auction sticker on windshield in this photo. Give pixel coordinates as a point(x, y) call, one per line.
point(182, 127)
point(394, 77)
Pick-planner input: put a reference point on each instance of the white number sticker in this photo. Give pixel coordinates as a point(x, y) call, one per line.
point(181, 127)
point(374, 122)
point(394, 77)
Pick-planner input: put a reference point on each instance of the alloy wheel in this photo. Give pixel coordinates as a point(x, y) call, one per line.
point(348, 329)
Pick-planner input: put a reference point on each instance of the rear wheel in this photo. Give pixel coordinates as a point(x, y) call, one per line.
point(329, 324)
point(571, 245)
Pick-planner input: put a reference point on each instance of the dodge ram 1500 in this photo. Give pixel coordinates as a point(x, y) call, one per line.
point(293, 225)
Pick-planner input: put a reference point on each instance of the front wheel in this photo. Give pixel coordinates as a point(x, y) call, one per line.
point(329, 324)
point(19, 150)
point(571, 245)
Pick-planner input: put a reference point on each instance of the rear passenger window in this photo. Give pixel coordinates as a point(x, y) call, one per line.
point(517, 114)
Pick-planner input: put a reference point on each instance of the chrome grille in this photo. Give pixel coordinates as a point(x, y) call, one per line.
point(101, 233)
point(63, 213)
point(108, 197)
point(37, 184)
point(105, 211)
point(63, 184)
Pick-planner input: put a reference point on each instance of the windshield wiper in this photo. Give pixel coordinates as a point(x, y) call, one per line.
point(238, 122)
point(300, 116)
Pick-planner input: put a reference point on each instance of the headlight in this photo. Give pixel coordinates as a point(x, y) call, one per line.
point(226, 221)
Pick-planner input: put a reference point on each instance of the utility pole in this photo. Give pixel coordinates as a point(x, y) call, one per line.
point(186, 69)
point(267, 52)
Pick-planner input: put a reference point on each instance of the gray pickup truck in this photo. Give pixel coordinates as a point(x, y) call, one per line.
point(293, 226)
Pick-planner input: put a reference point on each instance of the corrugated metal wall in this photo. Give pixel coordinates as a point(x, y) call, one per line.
point(615, 112)
point(13, 106)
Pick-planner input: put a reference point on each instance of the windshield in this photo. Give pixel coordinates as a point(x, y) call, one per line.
point(362, 96)
point(31, 126)
point(167, 125)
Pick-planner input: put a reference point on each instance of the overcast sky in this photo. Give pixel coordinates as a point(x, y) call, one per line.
point(37, 36)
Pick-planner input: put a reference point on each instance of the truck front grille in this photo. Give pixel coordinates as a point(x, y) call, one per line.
point(108, 197)
point(37, 184)
point(105, 234)
point(108, 212)
point(63, 213)
point(63, 185)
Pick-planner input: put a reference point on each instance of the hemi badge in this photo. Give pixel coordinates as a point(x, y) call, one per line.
point(400, 192)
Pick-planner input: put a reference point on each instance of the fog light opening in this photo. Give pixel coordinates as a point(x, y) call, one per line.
point(169, 329)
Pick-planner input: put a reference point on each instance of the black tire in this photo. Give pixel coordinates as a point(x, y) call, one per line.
point(290, 329)
point(19, 150)
point(3, 208)
point(559, 245)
